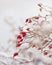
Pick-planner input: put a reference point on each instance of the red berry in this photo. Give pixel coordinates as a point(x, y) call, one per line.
point(27, 29)
point(39, 48)
point(36, 17)
point(45, 52)
point(40, 5)
point(15, 54)
point(23, 34)
point(50, 46)
point(18, 44)
point(19, 37)
point(26, 20)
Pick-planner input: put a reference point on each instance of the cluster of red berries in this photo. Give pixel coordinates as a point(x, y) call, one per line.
point(22, 34)
point(20, 39)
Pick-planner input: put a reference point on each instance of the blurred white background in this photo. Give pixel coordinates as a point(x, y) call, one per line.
point(19, 10)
